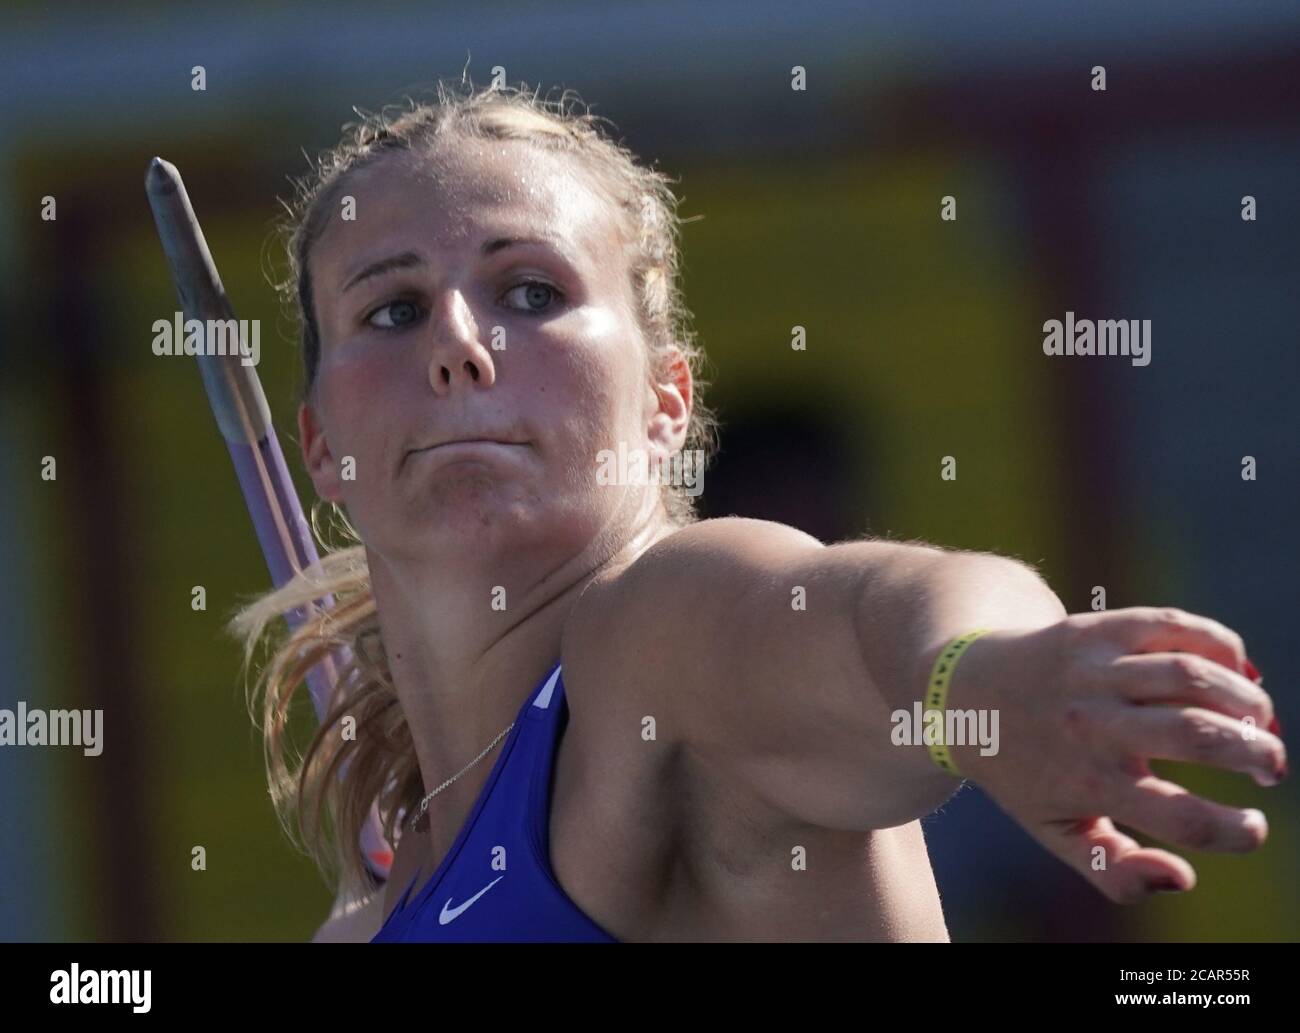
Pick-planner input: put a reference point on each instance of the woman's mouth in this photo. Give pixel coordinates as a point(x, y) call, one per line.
point(469, 447)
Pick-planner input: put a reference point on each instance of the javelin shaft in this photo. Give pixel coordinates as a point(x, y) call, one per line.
point(244, 419)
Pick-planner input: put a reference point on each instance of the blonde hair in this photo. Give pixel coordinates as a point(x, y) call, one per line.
point(321, 811)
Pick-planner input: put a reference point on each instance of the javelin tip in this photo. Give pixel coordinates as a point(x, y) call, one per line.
point(162, 177)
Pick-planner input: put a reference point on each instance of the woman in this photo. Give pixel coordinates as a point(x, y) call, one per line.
point(587, 715)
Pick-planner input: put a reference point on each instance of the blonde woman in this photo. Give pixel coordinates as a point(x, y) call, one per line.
point(587, 715)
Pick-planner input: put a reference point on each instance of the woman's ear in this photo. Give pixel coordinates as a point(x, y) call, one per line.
point(316, 455)
point(668, 403)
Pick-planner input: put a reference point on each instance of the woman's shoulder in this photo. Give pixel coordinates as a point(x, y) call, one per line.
point(734, 541)
point(632, 621)
point(707, 556)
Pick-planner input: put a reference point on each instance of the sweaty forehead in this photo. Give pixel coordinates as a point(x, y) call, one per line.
point(466, 189)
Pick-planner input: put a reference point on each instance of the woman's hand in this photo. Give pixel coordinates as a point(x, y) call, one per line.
point(1083, 706)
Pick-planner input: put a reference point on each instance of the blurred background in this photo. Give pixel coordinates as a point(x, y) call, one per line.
point(820, 209)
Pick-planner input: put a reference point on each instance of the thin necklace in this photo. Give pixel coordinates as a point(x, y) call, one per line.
point(418, 823)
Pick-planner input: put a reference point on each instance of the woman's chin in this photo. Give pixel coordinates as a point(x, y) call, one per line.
point(471, 510)
point(469, 506)
point(473, 500)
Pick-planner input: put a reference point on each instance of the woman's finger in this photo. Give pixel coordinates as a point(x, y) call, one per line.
point(1162, 629)
point(1114, 863)
point(1190, 679)
point(1193, 735)
point(1172, 815)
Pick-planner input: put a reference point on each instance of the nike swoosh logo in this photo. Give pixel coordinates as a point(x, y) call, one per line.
point(446, 916)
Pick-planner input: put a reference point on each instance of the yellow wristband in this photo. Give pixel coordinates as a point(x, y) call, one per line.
point(936, 694)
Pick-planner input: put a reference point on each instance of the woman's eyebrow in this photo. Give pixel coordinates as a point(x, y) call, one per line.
point(406, 260)
point(557, 243)
point(411, 259)
point(491, 247)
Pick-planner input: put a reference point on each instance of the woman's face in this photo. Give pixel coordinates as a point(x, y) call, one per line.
point(479, 346)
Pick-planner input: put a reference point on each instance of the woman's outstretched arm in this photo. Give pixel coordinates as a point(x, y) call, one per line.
point(787, 663)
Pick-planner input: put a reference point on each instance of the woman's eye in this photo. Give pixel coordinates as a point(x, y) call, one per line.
point(395, 320)
point(531, 296)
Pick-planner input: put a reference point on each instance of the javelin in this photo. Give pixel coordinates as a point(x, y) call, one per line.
point(244, 418)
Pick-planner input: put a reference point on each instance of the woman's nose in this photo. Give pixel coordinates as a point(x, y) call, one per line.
point(457, 357)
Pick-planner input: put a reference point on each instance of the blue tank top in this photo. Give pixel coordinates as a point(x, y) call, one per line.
point(496, 882)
